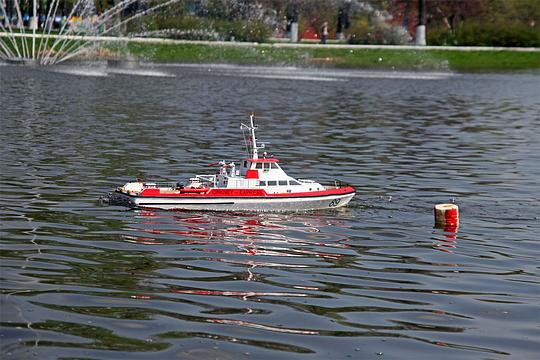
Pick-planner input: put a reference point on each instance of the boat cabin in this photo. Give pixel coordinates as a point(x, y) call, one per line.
point(261, 168)
point(262, 173)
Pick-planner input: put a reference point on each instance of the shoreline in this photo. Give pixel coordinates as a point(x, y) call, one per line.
point(274, 44)
point(366, 57)
point(369, 57)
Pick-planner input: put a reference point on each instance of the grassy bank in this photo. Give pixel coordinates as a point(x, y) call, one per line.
point(311, 55)
point(466, 61)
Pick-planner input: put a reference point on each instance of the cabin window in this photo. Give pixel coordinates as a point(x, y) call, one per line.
point(266, 166)
point(283, 182)
point(258, 166)
point(274, 166)
point(245, 163)
point(293, 182)
point(272, 183)
point(262, 183)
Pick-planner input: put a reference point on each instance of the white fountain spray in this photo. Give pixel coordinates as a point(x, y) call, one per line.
point(72, 39)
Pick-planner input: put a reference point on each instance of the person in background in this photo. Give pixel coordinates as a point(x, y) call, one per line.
point(324, 32)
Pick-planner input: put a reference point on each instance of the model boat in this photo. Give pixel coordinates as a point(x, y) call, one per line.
point(258, 183)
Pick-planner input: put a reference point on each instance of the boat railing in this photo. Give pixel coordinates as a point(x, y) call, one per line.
point(212, 179)
point(336, 184)
point(160, 185)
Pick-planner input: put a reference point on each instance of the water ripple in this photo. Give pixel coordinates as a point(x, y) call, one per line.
point(80, 279)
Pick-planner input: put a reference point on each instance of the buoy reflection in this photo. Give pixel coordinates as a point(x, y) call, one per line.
point(449, 241)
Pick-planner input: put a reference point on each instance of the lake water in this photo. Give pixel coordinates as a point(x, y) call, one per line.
point(374, 280)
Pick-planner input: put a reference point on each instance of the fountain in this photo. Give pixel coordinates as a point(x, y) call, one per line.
point(54, 34)
point(65, 37)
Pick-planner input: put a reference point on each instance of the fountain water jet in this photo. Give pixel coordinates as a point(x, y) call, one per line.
point(73, 37)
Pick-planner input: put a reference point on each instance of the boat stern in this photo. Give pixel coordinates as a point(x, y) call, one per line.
point(125, 195)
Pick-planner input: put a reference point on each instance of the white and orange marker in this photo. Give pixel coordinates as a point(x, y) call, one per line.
point(446, 216)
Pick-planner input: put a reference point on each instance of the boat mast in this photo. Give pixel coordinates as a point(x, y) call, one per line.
point(255, 154)
point(252, 138)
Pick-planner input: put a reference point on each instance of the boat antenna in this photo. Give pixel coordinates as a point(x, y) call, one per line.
point(253, 140)
point(245, 140)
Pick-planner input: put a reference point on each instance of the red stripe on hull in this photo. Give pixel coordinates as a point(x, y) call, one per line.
point(237, 192)
point(151, 192)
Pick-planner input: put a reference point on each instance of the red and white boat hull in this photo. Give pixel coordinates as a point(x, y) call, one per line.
point(268, 203)
point(260, 184)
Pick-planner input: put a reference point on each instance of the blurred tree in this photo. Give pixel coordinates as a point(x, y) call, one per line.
point(484, 22)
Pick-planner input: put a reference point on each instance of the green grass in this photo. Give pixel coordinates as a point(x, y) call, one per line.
point(381, 59)
point(489, 60)
point(219, 54)
point(464, 61)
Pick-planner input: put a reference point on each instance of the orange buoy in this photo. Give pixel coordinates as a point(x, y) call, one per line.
point(446, 216)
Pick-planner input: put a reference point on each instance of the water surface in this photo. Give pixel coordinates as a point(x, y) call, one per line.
point(372, 281)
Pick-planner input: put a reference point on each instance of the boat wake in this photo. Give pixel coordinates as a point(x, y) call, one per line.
point(310, 74)
point(102, 71)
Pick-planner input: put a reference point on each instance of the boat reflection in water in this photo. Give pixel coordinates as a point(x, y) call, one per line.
point(250, 234)
point(250, 246)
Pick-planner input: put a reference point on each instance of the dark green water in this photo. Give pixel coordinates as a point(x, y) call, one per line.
point(80, 279)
